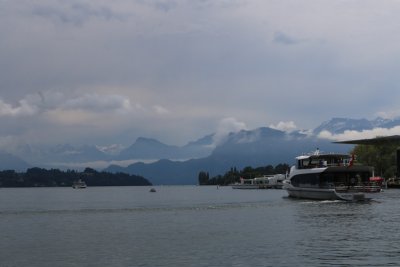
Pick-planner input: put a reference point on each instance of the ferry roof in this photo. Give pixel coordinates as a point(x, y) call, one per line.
point(323, 155)
point(392, 139)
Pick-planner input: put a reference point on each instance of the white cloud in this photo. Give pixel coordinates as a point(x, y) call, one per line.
point(49, 101)
point(365, 134)
point(160, 110)
point(388, 114)
point(287, 126)
point(24, 108)
point(113, 149)
point(226, 126)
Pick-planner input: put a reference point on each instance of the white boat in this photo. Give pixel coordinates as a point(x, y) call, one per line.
point(246, 184)
point(263, 182)
point(330, 177)
point(79, 184)
point(275, 181)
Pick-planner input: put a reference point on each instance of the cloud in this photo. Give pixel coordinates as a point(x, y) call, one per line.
point(113, 149)
point(160, 110)
point(282, 38)
point(98, 103)
point(164, 5)
point(23, 108)
point(33, 104)
point(75, 13)
point(388, 114)
point(365, 134)
point(226, 126)
point(288, 126)
point(161, 60)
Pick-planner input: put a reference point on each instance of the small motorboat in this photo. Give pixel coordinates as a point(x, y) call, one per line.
point(79, 184)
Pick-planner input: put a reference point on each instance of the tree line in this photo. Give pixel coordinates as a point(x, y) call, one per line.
point(38, 177)
point(380, 156)
point(233, 175)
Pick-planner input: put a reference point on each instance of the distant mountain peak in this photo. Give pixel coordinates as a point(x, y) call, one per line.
point(11, 162)
point(148, 148)
point(204, 141)
point(339, 125)
point(147, 140)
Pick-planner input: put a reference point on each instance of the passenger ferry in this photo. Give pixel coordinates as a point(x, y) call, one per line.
point(330, 177)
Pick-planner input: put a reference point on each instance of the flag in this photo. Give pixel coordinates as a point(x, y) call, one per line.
point(351, 162)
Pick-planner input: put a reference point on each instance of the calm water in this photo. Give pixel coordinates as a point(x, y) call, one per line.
point(193, 226)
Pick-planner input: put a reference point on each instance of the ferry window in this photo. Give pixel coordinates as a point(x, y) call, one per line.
point(348, 177)
point(362, 177)
point(341, 178)
point(327, 178)
point(303, 164)
point(306, 179)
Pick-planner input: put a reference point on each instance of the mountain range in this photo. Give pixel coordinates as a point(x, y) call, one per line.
point(181, 164)
point(259, 147)
point(145, 148)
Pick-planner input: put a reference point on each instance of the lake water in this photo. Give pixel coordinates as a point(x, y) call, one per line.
point(193, 226)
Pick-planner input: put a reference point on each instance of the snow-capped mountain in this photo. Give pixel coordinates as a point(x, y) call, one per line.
point(339, 125)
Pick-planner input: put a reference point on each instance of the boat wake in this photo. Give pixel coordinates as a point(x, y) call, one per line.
point(318, 202)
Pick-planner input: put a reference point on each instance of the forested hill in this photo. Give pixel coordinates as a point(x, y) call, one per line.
point(37, 177)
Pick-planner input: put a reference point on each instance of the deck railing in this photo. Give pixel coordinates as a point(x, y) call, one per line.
point(323, 165)
point(359, 188)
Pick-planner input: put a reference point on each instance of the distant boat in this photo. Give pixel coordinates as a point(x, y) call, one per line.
point(263, 182)
point(153, 190)
point(246, 184)
point(275, 181)
point(79, 184)
point(330, 176)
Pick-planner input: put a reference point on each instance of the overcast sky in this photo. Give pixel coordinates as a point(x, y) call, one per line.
point(105, 72)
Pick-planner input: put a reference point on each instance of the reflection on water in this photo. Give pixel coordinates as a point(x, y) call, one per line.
point(193, 226)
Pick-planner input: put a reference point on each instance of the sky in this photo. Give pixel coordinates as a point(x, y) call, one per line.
point(107, 72)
